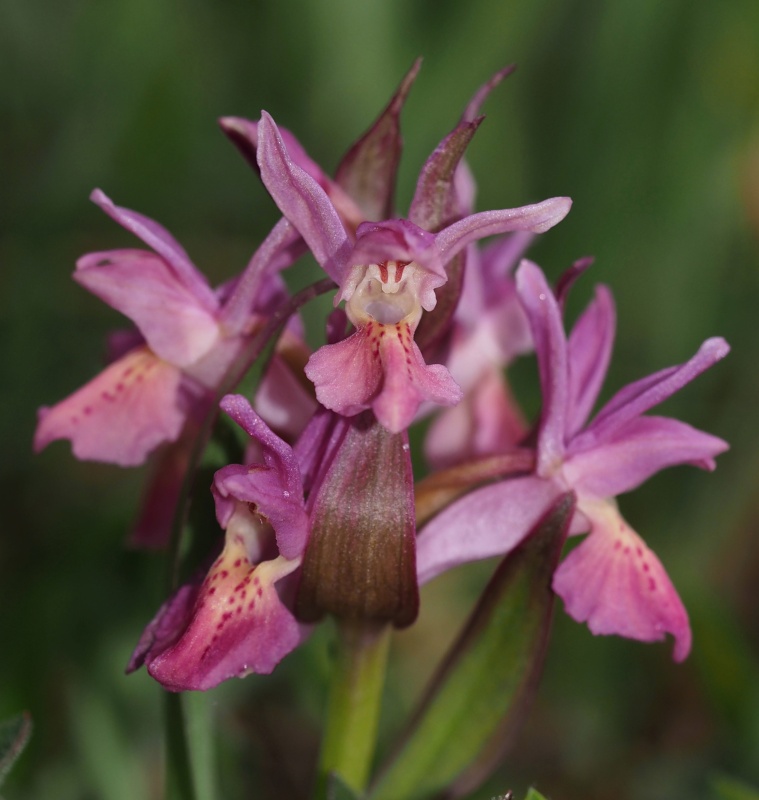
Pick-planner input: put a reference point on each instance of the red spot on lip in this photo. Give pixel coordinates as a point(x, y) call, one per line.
point(87, 410)
point(645, 567)
point(119, 387)
point(626, 551)
point(224, 573)
point(127, 372)
point(212, 590)
point(639, 551)
point(652, 584)
point(260, 591)
point(238, 562)
point(617, 544)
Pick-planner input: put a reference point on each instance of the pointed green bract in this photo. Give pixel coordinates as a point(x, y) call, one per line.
point(14, 734)
point(337, 790)
point(478, 698)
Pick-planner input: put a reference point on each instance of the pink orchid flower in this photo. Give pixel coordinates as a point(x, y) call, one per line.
point(387, 278)
point(234, 621)
point(188, 340)
point(612, 580)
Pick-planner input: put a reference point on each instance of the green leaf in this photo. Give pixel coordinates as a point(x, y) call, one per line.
point(480, 694)
point(14, 734)
point(732, 789)
point(534, 794)
point(337, 790)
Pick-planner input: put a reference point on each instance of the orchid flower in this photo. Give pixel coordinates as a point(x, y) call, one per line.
point(235, 621)
point(145, 396)
point(387, 278)
point(612, 580)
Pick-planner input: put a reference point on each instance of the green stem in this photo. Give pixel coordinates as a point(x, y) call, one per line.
point(358, 677)
point(179, 779)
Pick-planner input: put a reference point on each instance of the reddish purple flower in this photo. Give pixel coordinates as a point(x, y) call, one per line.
point(387, 278)
point(612, 580)
point(235, 621)
point(187, 343)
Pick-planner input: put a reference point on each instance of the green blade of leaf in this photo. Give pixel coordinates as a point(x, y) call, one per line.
point(337, 790)
point(478, 697)
point(727, 788)
point(14, 734)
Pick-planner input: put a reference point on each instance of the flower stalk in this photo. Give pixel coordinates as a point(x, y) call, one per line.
point(357, 681)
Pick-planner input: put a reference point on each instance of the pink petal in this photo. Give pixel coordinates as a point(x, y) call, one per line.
point(379, 367)
point(346, 375)
point(408, 381)
point(160, 240)
point(302, 201)
point(551, 348)
point(487, 522)
point(397, 240)
point(238, 625)
point(637, 398)
point(616, 584)
point(638, 450)
point(274, 487)
point(176, 324)
point(537, 218)
point(589, 351)
point(244, 134)
point(122, 414)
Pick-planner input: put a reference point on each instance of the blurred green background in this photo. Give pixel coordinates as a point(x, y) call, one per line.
point(645, 112)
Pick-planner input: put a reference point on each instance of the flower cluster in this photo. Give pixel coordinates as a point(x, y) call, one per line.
point(319, 518)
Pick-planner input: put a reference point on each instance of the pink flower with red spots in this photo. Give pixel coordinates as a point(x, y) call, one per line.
point(612, 580)
point(387, 278)
point(237, 619)
point(187, 342)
